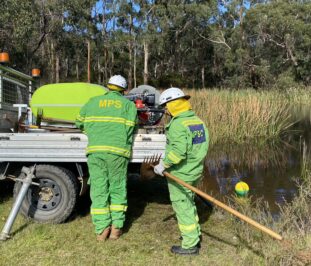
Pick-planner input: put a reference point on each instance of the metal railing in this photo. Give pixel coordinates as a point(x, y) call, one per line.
point(15, 88)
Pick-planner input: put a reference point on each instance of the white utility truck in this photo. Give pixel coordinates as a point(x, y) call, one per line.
point(58, 149)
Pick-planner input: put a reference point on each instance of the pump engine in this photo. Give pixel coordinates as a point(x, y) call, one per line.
point(146, 99)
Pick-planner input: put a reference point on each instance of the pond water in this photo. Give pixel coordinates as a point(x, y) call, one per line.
point(270, 169)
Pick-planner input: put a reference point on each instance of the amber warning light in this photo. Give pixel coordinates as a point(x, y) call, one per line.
point(35, 72)
point(4, 58)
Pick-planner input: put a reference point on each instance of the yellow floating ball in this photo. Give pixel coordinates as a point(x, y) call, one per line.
point(241, 189)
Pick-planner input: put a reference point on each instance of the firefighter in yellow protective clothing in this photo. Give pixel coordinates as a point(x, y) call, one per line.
point(186, 148)
point(108, 120)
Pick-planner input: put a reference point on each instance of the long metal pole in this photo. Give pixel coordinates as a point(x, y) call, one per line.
point(5, 234)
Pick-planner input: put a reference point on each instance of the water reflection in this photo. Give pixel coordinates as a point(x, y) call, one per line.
point(269, 169)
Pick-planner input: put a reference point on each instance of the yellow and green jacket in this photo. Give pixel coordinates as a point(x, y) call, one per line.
point(187, 145)
point(108, 120)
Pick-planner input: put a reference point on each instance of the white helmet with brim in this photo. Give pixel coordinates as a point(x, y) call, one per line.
point(172, 94)
point(118, 81)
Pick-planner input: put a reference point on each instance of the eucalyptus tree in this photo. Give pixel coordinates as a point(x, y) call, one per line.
point(181, 51)
point(193, 43)
point(21, 31)
point(279, 34)
point(259, 43)
point(123, 37)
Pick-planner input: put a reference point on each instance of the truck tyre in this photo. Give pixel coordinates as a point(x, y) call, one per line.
point(54, 200)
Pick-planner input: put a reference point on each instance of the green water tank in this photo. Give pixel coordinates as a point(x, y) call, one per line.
point(63, 101)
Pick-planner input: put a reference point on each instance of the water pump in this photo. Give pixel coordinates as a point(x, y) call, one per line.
point(146, 99)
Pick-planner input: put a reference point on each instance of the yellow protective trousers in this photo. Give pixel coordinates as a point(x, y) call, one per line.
point(186, 213)
point(108, 175)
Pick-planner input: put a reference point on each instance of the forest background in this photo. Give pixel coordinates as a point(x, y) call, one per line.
point(189, 43)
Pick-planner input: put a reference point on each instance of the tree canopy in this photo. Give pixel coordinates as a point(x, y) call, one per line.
point(187, 43)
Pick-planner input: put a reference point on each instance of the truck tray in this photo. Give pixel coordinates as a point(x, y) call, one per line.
point(68, 147)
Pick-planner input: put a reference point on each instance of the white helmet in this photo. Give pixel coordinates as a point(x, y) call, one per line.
point(172, 94)
point(118, 80)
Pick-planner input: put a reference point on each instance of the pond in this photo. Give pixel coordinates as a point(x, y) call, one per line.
point(271, 169)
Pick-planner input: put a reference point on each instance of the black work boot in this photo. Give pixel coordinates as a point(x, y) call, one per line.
point(183, 251)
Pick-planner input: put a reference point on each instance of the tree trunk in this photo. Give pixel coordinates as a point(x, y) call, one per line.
point(135, 81)
point(155, 70)
point(130, 66)
point(88, 61)
point(112, 64)
point(77, 68)
point(130, 47)
point(52, 63)
point(99, 70)
point(47, 54)
point(105, 51)
point(57, 68)
point(146, 57)
point(67, 67)
point(241, 16)
point(203, 77)
point(106, 58)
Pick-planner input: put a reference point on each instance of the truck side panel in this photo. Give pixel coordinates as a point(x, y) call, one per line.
point(56, 147)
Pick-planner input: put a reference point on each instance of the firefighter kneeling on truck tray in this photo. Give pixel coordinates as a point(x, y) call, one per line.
point(108, 120)
point(186, 148)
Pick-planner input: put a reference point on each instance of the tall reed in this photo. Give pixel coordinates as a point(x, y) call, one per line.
point(239, 115)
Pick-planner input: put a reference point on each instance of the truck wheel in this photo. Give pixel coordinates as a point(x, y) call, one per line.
point(54, 200)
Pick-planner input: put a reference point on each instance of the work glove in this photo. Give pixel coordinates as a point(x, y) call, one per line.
point(159, 168)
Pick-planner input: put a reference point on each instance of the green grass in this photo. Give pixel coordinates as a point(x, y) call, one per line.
point(150, 232)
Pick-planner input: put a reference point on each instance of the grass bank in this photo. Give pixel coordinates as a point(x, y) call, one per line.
point(151, 229)
point(246, 114)
point(294, 224)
